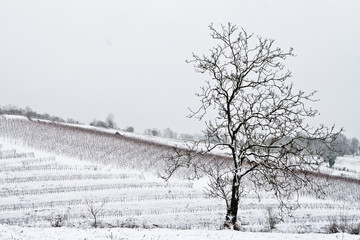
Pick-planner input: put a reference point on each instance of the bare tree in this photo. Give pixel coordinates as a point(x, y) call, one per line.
point(341, 145)
point(130, 129)
point(252, 113)
point(168, 133)
point(152, 132)
point(94, 210)
point(110, 121)
point(354, 146)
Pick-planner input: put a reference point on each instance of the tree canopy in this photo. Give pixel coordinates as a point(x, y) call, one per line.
point(260, 121)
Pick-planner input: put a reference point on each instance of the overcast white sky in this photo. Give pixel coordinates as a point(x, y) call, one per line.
point(85, 59)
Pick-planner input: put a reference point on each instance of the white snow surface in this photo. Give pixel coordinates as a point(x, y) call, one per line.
point(142, 199)
point(23, 233)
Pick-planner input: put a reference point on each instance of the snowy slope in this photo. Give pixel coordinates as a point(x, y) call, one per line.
point(49, 171)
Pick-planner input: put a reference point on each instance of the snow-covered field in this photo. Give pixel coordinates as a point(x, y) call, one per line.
point(347, 166)
point(53, 175)
point(22, 233)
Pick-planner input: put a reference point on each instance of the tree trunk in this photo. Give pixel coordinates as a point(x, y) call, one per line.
point(231, 215)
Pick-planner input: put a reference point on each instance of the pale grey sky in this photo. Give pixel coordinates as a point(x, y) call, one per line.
point(85, 59)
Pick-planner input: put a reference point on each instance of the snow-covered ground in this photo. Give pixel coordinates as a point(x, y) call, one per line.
point(23, 233)
point(347, 166)
point(47, 173)
point(348, 163)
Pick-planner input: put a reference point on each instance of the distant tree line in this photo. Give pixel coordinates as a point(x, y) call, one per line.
point(108, 123)
point(168, 133)
point(31, 114)
point(340, 147)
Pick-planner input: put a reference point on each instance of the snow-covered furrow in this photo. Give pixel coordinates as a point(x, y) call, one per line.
point(48, 167)
point(66, 177)
point(14, 192)
point(135, 198)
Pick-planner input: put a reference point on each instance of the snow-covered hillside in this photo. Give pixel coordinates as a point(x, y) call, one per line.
point(54, 174)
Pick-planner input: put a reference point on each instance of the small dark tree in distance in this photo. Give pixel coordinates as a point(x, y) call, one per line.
point(168, 133)
point(252, 112)
point(330, 158)
point(110, 122)
point(130, 129)
point(98, 123)
point(152, 132)
point(341, 145)
point(354, 146)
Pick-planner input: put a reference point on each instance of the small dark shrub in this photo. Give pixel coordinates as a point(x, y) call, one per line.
point(237, 227)
point(355, 229)
point(57, 221)
point(333, 227)
point(130, 223)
